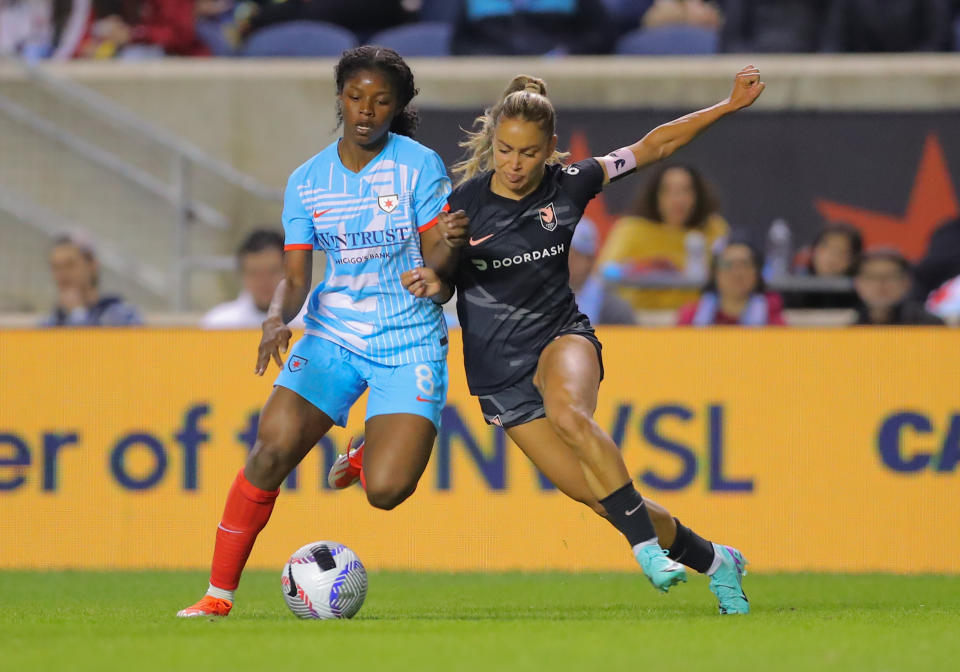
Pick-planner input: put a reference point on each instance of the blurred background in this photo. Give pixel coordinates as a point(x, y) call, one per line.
point(144, 145)
point(163, 132)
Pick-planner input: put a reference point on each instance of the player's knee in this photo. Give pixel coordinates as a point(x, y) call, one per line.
point(268, 462)
point(388, 496)
point(572, 426)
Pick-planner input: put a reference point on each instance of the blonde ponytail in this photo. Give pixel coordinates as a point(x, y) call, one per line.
point(524, 98)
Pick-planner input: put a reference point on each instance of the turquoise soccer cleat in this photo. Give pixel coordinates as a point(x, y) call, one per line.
point(727, 582)
point(661, 570)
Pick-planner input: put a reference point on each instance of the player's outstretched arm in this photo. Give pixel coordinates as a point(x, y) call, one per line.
point(440, 243)
point(667, 138)
point(287, 301)
point(426, 283)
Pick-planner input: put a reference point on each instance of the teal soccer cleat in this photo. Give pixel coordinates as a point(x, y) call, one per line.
point(661, 570)
point(727, 582)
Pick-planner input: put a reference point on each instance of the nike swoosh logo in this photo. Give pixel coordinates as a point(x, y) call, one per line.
point(635, 509)
point(221, 527)
point(480, 240)
point(317, 214)
point(419, 398)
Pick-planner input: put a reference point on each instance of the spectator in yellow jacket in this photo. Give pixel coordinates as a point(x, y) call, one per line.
point(675, 202)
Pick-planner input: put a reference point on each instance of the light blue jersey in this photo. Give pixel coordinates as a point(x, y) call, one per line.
point(368, 223)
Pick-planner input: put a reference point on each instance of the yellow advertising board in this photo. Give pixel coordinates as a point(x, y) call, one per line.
point(828, 450)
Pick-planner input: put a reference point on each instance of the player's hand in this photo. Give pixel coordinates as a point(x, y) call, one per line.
point(422, 282)
point(747, 87)
point(453, 228)
point(274, 341)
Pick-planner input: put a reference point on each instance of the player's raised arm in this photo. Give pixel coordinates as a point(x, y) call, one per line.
point(286, 304)
point(667, 138)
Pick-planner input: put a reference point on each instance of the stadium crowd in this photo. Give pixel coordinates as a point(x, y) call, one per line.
point(673, 252)
point(138, 29)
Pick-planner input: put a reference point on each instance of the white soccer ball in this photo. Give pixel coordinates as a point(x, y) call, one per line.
point(324, 580)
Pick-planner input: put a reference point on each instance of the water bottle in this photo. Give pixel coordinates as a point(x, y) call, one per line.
point(695, 244)
point(779, 250)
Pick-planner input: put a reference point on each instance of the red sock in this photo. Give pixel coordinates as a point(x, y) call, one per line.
point(247, 511)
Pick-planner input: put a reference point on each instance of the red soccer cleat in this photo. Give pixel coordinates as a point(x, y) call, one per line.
point(346, 469)
point(207, 606)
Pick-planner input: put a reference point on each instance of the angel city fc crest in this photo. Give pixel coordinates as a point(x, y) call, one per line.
point(548, 218)
point(388, 203)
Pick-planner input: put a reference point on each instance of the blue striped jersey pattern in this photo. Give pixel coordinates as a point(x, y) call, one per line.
point(368, 224)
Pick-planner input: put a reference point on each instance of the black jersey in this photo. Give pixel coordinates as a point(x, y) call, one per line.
point(512, 279)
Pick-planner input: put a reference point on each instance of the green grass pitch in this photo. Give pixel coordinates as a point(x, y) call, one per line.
point(490, 622)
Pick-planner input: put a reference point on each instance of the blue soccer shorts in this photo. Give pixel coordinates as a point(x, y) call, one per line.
point(332, 378)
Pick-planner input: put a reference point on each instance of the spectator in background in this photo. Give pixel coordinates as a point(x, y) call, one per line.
point(698, 13)
point(736, 293)
point(139, 28)
point(773, 26)
point(76, 275)
point(883, 285)
point(593, 299)
point(363, 17)
point(888, 25)
point(260, 262)
point(26, 28)
point(944, 302)
point(531, 28)
point(940, 263)
point(835, 253)
point(674, 202)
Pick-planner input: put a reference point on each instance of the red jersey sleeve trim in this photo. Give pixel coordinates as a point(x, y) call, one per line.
point(433, 222)
point(298, 246)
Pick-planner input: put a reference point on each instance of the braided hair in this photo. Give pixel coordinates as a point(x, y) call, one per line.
point(389, 62)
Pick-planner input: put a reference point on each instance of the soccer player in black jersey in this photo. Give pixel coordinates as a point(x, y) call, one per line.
point(531, 357)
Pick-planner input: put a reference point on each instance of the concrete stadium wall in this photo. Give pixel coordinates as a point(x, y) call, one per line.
point(267, 116)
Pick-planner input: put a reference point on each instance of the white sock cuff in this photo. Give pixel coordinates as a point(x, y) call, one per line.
point(219, 593)
point(715, 565)
point(653, 541)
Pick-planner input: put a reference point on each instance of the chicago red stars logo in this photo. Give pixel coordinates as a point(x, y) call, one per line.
point(388, 203)
point(548, 218)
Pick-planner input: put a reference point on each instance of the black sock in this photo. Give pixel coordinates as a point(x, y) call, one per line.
point(690, 549)
point(627, 512)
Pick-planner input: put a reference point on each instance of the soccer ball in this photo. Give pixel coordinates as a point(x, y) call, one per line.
point(324, 580)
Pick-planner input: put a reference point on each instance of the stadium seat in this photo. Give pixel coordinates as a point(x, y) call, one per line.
point(417, 39)
point(626, 12)
point(211, 33)
point(439, 10)
point(668, 41)
point(299, 39)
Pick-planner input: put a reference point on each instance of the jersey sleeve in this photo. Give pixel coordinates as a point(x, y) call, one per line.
point(297, 225)
point(582, 180)
point(431, 192)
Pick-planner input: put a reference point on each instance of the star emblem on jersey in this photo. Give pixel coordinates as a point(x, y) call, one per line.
point(296, 363)
point(548, 217)
point(388, 203)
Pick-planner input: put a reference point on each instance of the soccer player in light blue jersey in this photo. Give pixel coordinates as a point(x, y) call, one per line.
point(370, 201)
